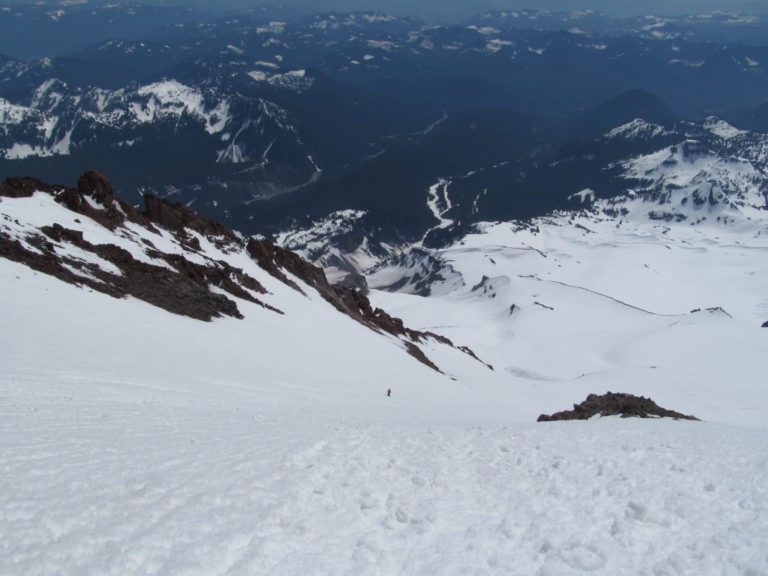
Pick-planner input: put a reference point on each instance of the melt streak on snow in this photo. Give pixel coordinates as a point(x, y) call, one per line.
point(134, 441)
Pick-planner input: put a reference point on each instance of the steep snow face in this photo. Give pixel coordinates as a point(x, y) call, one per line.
point(135, 441)
point(140, 442)
point(336, 243)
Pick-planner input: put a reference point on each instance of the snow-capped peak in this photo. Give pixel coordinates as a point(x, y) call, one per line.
point(721, 128)
point(637, 129)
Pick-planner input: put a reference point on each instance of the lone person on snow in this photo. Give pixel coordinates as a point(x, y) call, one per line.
point(389, 392)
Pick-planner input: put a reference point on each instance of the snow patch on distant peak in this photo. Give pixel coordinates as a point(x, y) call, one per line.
point(586, 196)
point(721, 128)
point(45, 96)
point(386, 45)
point(275, 27)
point(373, 17)
point(13, 114)
point(496, 45)
point(690, 183)
point(296, 80)
point(263, 64)
point(172, 98)
point(636, 129)
point(485, 30)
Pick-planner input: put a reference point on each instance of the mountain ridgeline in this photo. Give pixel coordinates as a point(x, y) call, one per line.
point(167, 256)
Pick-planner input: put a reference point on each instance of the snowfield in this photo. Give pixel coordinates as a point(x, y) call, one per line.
point(134, 441)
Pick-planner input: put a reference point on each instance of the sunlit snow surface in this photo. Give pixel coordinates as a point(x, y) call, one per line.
point(134, 441)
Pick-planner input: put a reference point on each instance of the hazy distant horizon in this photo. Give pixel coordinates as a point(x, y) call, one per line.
point(457, 9)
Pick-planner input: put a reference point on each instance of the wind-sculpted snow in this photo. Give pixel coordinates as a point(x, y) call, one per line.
point(113, 478)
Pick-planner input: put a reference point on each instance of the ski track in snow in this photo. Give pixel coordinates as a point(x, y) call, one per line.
point(606, 296)
point(158, 488)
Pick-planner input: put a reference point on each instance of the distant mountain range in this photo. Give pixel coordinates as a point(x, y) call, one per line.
point(279, 124)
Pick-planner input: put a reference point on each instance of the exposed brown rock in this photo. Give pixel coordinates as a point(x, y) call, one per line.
point(102, 207)
point(355, 304)
point(95, 198)
point(94, 184)
point(59, 233)
point(765, 324)
point(417, 353)
point(612, 404)
point(271, 258)
point(25, 186)
point(183, 289)
point(185, 286)
point(178, 218)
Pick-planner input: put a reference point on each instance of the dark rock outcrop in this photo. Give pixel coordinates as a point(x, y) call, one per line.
point(179, 218)
point(765, 324)
point(94, 197)
point(351, 302)
point(25, 186)
point(196, 287)
point(612, 404)
point(182, 287)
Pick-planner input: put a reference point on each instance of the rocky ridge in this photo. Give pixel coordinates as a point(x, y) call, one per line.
point(174, 266)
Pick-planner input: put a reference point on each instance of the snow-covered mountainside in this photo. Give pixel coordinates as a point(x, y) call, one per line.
point(717, 173)
point(138, 439)
point(212, 131)
point(167, 256)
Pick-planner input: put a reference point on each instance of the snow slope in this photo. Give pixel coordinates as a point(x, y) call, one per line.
point(577, 304)
point(135, 441)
